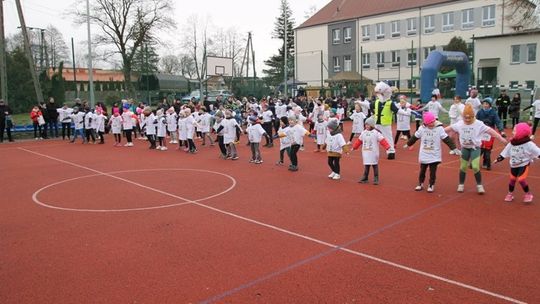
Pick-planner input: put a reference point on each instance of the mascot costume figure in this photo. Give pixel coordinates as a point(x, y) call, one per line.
point(383, 111)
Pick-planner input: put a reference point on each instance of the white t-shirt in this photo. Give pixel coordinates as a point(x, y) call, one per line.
point(470, 136)
point(298, 133)
point(364, 104)
point(267, 116)
point(78, 120)
point(358, 122)
point(370, 146)
point(456, 110)
point(335, 143)
point(229, 130)
point(190, 126)
point(255, 133)
point(430, 144)
point(162, 126)
point(284, 142)
point(172, 122)
point(116, 124)
point(475, 103)
point(521, 155)
point(403, 119)
point(64, 114)
point(281, 110)
point(89, 120)
point(434, 107)
point(127, 123)
point(182, 128)
point(100, 122)
point(217, 125)
point(150, 124)
point(203, 122)
point(321, 129)
point(536, 105)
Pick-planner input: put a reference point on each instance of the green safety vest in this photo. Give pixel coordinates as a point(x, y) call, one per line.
point(386, 115)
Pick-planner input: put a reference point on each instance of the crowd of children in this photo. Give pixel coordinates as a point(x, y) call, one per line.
point(470, 135)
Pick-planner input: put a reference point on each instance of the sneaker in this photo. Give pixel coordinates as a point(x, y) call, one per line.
point(293, 168)
point(452, 152)
point(331, 175)
point(509, 197)
point(158, 147)
point(419, 188)
point(480, 189)
point(528, 198)
point(376, 180)
point(430, 188)
point(460, 188)
point(234, 157)
point(364, 180)
point(279, 163)
point(251, 160)
point(164, 149)
point(258, 162)
point(336, 176)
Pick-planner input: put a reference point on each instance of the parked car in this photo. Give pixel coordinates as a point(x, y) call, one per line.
point(212, 95)
point(194, 94)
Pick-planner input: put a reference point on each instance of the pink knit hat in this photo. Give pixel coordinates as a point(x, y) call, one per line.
point(522, 130)
point(428, 118)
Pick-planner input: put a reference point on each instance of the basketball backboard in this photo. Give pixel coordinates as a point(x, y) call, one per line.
point(219, 66)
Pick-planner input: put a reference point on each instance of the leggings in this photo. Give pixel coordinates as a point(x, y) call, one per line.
point(191, 145)
point(128, 135)
point(471, 156)
point(282, 153)
point(255, 151)
point(293, 155)
point(89, 133)
point(222, 146)
point(66, 126)
point(117, 138)
point(267, 126)
point(161, 141)
point(519, 174)
point(432, 173)
point(151, 140)
point(535, 124)
point(375, 171)
point(333, 162)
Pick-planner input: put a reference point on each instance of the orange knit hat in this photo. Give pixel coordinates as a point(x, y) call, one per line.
point(468, 111)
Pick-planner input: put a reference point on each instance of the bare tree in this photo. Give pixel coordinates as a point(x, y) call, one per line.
point(187, 66)
point(127, 24)
point(56, 46)
point(169, 64)
point(196, 43)
point(522, 14)
point(229, 44)
point(310, 12)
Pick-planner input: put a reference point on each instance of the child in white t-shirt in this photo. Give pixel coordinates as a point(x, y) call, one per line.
point(161, 131)
point(203, 124)
point(231, 134)
point(357, 118)
point(321, 132)
point(430, 155)
point(335, 145)
point(521, 151)
point(434, 106)
point(296, 134)
point(403, 125)
point(172, 125)
point(284, 141)
point(255, 133)
point(116, 127)
point(369, 140)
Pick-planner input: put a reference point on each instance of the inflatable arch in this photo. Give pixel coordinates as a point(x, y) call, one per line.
point(431, 67)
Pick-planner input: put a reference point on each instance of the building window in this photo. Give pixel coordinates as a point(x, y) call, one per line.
point(531, 52)
point(347, 63)
point(530, 84)
point(365, 32)
point(336, 36)
point(428, 50)
point(337, 65)
point(516, 53)
point(467, 19)
point(411, 84)
point(396, 28)
point(365, 61)
point(513, 84)
point(347, 34)
point(411, 56)
point(470, 50)
point(448, 22)
point(429, 24)
point(488, 15)
point(380, 59)
point(380, 30)
point(395, 58)
point(411, 26)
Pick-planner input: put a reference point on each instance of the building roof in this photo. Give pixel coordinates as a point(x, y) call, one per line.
point(340, 10)
point(534, 31)
point(98, 75)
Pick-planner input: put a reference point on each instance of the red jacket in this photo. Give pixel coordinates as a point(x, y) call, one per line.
point(34, 115)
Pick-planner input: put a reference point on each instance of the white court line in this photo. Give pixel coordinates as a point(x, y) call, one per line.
point(305, 237)
point(39, 202)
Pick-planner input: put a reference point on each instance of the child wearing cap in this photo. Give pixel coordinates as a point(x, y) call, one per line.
point(521, 151)
point(116, 126)
point(430, 155)
point(490, 118)
point(255, 133)
point(369, 140)
point(470, 132)
point(321, 131)
point(403, 117)
point(335, 145)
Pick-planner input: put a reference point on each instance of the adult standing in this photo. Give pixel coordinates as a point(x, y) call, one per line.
point(5, 121)
point(502, 103)
point(513, 109)
point(383, 110)
point(52, 117)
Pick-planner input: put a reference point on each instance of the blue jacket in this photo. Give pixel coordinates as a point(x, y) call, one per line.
point(490, 118)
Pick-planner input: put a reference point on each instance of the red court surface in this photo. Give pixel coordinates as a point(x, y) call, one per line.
point(100, 224)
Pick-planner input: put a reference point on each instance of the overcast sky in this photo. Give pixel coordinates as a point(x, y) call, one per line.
point(245, 15)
